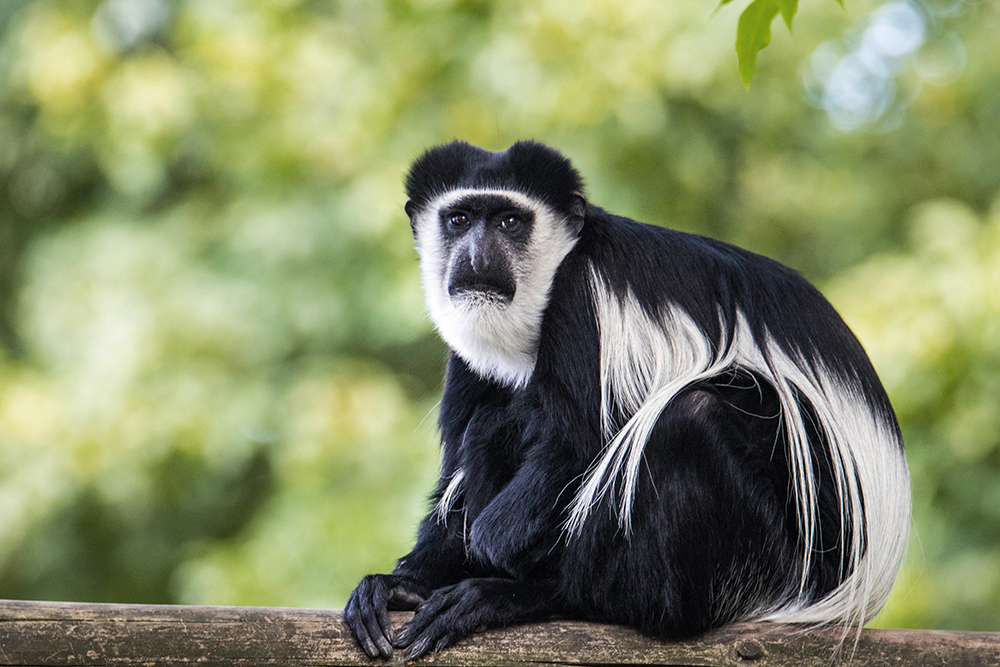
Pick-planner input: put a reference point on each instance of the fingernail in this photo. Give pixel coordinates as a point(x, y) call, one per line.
point(416, 650)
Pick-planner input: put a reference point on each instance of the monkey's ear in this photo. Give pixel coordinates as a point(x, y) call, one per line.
point(411, 209)
point(577, 212)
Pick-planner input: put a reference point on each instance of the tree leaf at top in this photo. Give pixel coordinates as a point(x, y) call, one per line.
point(723, 3)
point(788, 9)
point(753, 33)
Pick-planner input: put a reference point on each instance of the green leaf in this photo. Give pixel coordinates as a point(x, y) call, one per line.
point(753, 33)
point(788, 9)
point(723, 3)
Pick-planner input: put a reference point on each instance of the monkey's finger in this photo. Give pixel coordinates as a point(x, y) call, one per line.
point(384, 630)
point(441, 634)
point(404, 638)
point(418, 649)
point(423, 642)
point(367, 644)
point(373, 627)
point(427, 612)
point(360, 632)
point(365, 614)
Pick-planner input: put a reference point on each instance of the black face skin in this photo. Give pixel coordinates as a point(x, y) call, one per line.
point(483, 235)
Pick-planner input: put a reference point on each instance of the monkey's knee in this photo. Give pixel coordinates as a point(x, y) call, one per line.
point(696, 418)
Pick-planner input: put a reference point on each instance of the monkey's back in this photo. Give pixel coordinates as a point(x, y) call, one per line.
point(728, 363)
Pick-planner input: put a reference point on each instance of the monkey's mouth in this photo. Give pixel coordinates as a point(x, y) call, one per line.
point(480, 288)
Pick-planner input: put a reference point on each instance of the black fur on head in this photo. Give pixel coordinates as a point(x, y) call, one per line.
point(527, 167)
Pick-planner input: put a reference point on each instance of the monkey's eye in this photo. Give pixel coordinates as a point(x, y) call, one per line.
point(510, 223)
point(459, 220)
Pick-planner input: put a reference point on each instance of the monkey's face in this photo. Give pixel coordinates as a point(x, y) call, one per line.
point(487, 259)
point(484, 237)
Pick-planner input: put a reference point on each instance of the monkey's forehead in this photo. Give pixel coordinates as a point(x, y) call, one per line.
point(488, 200)
point(487, 204)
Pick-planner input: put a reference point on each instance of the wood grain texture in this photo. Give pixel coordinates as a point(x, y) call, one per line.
point(66, 633)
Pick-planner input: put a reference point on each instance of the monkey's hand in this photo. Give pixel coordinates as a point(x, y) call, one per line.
point(366, 613)
point(454, 612)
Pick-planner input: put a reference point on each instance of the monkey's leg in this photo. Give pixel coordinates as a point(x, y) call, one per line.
point(708, 541)
point(474, 604)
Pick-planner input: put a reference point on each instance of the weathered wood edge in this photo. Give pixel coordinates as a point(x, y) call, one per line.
point(67, 633)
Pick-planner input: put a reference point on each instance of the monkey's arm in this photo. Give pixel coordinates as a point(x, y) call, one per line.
point(520, 528)
point(517, 534)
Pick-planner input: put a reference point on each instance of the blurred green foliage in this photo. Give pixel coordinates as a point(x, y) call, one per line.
point(217, 381)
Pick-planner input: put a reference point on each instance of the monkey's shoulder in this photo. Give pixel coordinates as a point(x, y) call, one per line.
point(642, 253)
point(656, 267)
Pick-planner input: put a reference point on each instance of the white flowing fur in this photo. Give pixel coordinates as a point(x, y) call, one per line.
point(647, 360)
point(450, 494)
point(498, 340)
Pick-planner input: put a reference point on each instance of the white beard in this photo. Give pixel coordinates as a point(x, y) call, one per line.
point(497, 339)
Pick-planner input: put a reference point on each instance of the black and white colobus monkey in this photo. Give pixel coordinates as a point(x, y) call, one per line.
point(639, 426)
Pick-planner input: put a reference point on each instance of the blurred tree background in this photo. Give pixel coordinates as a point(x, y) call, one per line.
point(217, 381)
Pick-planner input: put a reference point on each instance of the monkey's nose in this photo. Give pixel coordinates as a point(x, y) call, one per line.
point(479, 261)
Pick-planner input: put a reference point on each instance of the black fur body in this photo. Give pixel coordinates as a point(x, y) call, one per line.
point(715, 532)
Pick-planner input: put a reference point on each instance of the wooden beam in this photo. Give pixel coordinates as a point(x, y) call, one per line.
point(67, 633)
